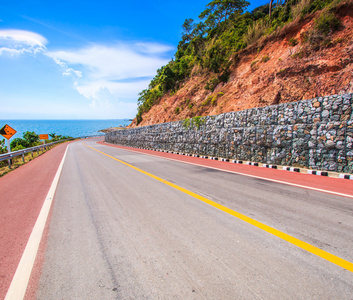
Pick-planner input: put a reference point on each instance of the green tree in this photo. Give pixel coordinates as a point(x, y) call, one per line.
point(3, 148)
point(167, 78)
point(188, 28)
point(58, 137)
point(31, 137)
point(18, 144)
point(218, 11)
point(260, 12)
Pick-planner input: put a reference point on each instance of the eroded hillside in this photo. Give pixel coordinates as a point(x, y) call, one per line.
point(301, 61)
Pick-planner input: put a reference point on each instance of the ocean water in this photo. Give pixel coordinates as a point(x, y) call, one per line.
point(74, 128)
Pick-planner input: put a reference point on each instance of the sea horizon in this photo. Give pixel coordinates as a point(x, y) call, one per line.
point(65, 127)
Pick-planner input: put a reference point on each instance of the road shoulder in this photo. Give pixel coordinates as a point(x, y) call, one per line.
point(23, 192)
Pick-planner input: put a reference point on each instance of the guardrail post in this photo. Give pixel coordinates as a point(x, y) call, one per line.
point(10, 155)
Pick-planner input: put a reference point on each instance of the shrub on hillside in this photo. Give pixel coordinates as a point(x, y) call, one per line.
point(327, 23)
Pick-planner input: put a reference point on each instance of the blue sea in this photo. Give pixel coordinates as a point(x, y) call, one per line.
point(74, 128)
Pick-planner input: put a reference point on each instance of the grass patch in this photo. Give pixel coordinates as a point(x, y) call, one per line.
point(196, 122)
point(212, 83)
point(293, 42)
point(207, 101)
point(327, 23)
point(253, 64)
point(265, 58)
point(17, 162)
point(298, 55)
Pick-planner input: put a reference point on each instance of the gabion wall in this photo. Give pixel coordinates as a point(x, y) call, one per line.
point(316, 134)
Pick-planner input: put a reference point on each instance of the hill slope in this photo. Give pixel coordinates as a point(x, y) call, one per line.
point(309, 57)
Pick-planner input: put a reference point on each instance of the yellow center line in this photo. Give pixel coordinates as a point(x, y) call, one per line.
point(299, 243)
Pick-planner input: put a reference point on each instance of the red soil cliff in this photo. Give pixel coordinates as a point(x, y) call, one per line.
point(272, 71)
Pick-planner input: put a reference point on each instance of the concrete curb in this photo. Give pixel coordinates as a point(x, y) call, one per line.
point(269, 166)
point(291, 169)
point(320, 173)
point(237, 161)
point(285, 168)
point(345, 176)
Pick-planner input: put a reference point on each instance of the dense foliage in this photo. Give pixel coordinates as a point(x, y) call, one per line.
point(3, 148)
point(58, 137)
point(224, 29)
point(31, 139)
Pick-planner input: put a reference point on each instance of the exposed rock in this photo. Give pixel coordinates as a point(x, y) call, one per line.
point(110, 129)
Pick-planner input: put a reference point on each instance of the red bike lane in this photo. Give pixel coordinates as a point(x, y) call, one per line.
point(22, 193)
point(315, 182)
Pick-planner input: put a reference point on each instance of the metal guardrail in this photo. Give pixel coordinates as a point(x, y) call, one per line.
point(11, 155)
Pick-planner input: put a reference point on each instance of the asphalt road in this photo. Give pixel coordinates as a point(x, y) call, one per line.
point(118, 233)
point(22, 193)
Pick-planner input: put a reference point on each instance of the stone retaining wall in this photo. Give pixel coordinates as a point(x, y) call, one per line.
point(316, 134)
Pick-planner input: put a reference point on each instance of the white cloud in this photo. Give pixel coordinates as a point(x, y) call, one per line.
point(17, 42)
point(121, 61)
point(110, 76)
point(71, 71)
point(67, 71)
point(127, 90)
point(58, 61)
point(153, 48)
point(123, 69)
point(104, 103)
point(22, 37)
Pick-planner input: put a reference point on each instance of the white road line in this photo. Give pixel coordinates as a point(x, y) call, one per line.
point(248, 175)
point(21, 278)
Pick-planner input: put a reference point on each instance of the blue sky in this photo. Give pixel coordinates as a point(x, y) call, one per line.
point(85, 59)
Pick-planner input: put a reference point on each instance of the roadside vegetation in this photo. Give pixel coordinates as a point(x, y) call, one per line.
point(211, 46)
point(17, 162)
point(29, 139)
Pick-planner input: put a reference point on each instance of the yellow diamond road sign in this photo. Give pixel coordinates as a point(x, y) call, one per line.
point(7, 132)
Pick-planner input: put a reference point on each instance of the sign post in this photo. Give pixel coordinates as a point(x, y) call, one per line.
point(8, 132)
point(44, 137)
